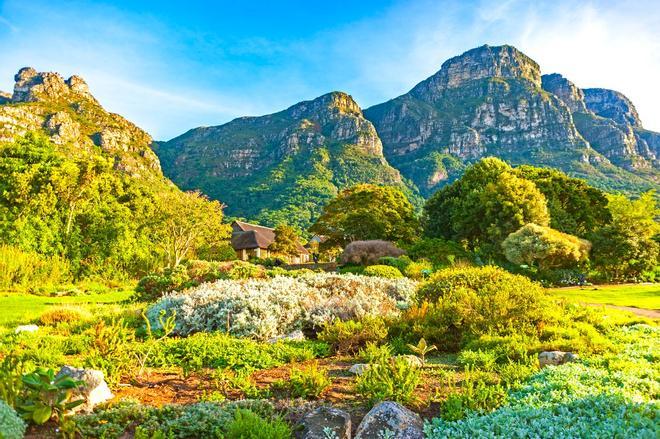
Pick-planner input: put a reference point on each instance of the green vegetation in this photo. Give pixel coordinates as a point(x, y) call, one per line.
point(638, 295)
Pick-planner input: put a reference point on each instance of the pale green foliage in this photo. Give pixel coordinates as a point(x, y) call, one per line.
point(11, 425)
point(533, 244)
point(389, 379)
point(273, 307)
point(421, 349)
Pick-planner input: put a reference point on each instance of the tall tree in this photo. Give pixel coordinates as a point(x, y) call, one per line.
point(367, 212)
point(286, 241)
point(188, 221)
point(628, 246)
point(484, 206)
point(574, 206)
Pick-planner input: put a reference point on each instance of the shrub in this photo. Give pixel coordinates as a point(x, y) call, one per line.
point(484, 360)
point(347, 337)
point(383, 271)
point(400, 263)
point(268, 308)
point(57, 315)
point(480, 300)
point(248, 425)
point(368, 252)
point(306, 382)
point(476, 396)
point(418, 270)
point(245, 270)
point(392, 379)
point(514, 347)
point(11, 425)
point(439, 252)
point(352, 269)
point(30, 271)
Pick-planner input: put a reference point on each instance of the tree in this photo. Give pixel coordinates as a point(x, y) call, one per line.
point(367, 212)
point(188, 221)
point(546, 247)
point(286, 241)
point(628, 247)
point(574, 206)
point(484, 206)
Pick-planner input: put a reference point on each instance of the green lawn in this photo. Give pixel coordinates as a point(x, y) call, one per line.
point(16, 308)
point(637, 295)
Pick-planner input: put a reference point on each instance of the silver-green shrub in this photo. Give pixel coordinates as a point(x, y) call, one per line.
point(11, 425)
point(265, 308)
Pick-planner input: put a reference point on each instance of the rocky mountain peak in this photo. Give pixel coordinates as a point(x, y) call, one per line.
point(565, 90)
point(612, 105)
point(33, 86)
point(334, 102)
point(4, 97)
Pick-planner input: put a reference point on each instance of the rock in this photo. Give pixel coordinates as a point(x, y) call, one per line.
point(94, 388)
point(412, 360)
point(611, 104)
point(4, 97)
point(565, 90)
point(393, 419)
point(324, 421)
point(358, 368)
point(26, 328)
point(556, 358)
point(296, 335)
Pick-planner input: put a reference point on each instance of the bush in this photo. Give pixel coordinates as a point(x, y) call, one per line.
point(480, 300)
point(268, 308)
point(11, 425)
point(349, 336)
point(306, 382)
point(439, 252)
point(383, 271)
point(477, 396)
point(57, 315)
point(392, 379)
point(248, 425)
point(352, 269)
point(400, 263)
point(484, 360)
point(368, 252)
point(31, 271)
point(418, 270)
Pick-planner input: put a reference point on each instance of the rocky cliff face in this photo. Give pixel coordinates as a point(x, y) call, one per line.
point(613, 105)
point(282, 166)
point(66, 111)
point(494, 101)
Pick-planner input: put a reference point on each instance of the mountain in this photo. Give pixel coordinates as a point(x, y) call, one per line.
point(493, 101)
point(282, 167)
point(66, 112)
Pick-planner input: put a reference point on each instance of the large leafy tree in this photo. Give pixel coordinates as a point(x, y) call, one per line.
point(188, 221)
point(546, 247)
point(628, 246)
point(367, 212)
point(484, 206)
point(286, 241)
point(574, 206)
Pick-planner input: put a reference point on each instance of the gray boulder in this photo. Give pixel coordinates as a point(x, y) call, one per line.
point(94, 390)
point(325, 423)
point(391, 420)
point(359, 368)
point(293, 336)
point(556, 358)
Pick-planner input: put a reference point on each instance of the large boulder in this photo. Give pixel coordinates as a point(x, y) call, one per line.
point(556, 358)
point(94, 390)
point(26, 328)
point(359, 368)
point(326, 422)
point(391, 420)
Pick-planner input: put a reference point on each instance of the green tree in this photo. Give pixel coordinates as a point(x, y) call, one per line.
point(367, 212)
point(628, 246)
point(286, 241)
point(546, 247)
point(574, 206)
point(187, 222)
point(484, 206)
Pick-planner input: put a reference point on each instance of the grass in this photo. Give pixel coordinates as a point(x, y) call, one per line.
point(17, 308)
point(638, 295)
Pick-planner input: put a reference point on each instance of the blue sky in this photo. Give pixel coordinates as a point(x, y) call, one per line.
point(171, 66)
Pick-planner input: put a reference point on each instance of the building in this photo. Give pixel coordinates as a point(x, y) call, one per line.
point(252, 241)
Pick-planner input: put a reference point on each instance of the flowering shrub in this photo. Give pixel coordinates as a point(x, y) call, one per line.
point(272, 307)
point(382, 271)
point(609, 396)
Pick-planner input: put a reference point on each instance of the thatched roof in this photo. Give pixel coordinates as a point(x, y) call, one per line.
point(248, 236)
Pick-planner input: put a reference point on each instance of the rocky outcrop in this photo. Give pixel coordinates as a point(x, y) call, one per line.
point(293, 161)
point(4, 97)
point(391, 420)
point(613, 105)
point(324, 423)
point(565, 90)
point(93, 390)
point(556, 358)
point(66, 111)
